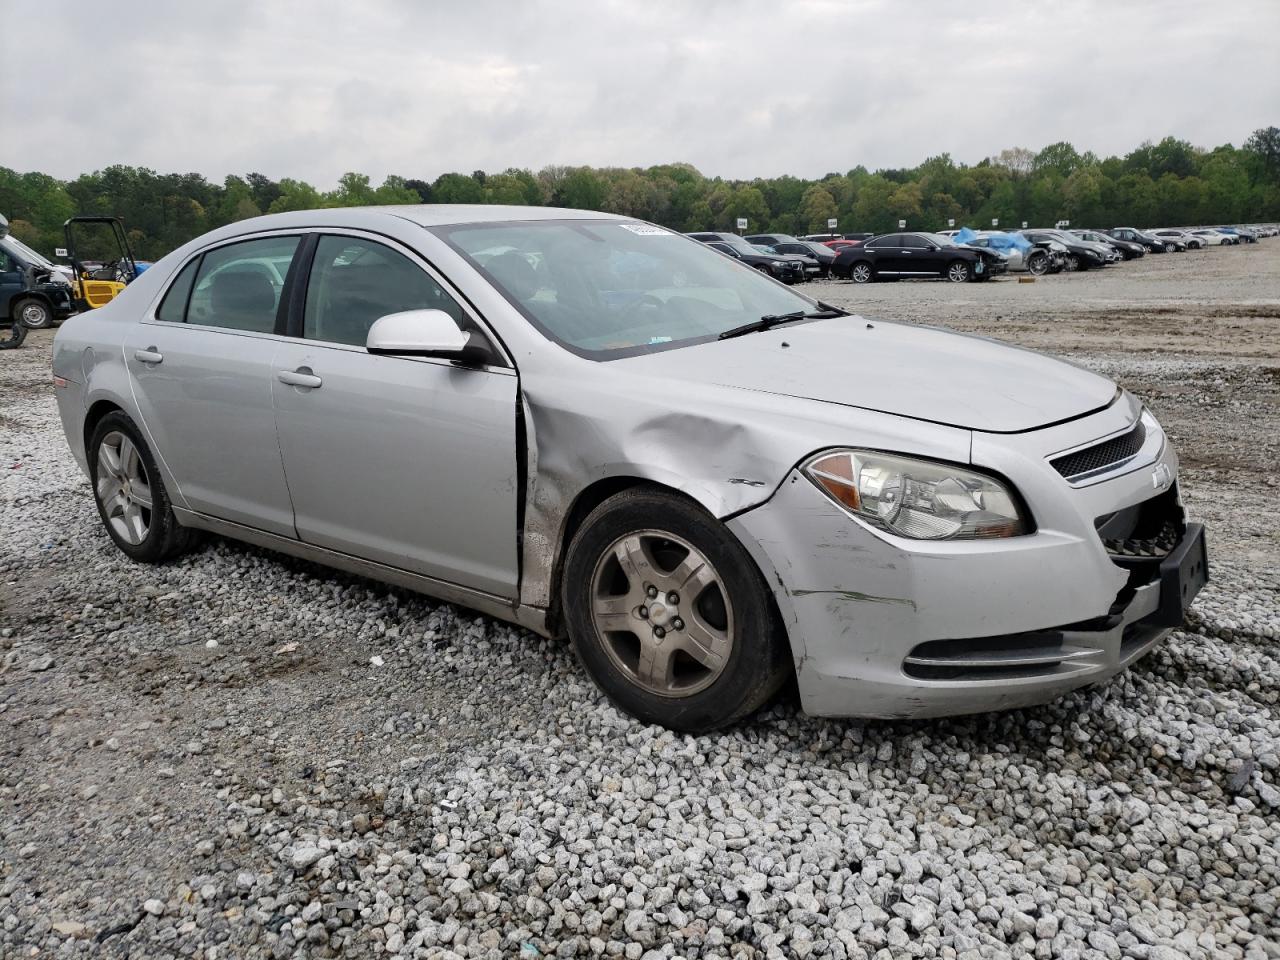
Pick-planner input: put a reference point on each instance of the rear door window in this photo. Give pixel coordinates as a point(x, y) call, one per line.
point(238, 287)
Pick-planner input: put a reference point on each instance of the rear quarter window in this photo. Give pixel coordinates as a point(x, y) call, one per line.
point(173, 308)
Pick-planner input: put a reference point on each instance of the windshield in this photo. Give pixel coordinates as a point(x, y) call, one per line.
point(27, 253)
point(606, 289)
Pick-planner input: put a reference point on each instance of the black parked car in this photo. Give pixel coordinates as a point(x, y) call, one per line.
point(1153, 244)
point(785, 243)
point(1127, 248)
point(32, 290)
point(908, 255)
point(779, 267)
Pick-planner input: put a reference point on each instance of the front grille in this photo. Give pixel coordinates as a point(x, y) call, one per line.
point(1155, 547)
point(1102, 455)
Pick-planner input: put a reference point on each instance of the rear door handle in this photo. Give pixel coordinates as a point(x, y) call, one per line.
point(302, 377)
point(150, 355)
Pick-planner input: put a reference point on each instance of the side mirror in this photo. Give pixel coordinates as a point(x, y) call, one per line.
point(426, 333)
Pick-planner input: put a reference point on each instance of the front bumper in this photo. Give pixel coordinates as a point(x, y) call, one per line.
point(882, 626)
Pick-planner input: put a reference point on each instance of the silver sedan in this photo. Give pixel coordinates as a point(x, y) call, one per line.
point(593, 426)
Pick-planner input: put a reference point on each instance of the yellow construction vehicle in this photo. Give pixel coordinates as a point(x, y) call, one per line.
point(96, 283)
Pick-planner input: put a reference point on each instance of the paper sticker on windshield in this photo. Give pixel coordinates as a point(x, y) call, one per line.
point(646, 230)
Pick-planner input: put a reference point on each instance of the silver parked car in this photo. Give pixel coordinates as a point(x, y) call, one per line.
point(594, 426)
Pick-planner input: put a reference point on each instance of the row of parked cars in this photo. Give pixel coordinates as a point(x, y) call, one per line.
point(962, 255)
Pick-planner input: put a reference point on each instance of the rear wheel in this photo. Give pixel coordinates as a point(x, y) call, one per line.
point(130, 493)
point(862, 272)
point(958, 271)
point(34, 314)
point(669, 615)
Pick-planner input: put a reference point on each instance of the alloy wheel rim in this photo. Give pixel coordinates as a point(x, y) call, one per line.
point(957, 272)
point(662, 613)
point(861, 273)
point(123, 488)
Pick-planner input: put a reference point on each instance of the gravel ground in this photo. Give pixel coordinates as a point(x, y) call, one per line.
point(240, 755)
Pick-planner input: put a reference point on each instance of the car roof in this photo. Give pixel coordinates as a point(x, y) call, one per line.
point(428, 215)
point(447, 214)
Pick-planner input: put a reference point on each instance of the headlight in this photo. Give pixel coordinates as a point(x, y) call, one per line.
point(917, 498)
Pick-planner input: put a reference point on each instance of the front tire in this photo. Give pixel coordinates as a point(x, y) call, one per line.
point(669, 615)
point(862, 272)
point(1038, 265)
point(958, 271)
point(34, 314)
point(1073, 263)
point(131, 497)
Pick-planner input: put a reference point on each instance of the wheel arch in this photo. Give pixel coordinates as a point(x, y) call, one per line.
point(591, 497)
point(93, 416)
point(31, 295)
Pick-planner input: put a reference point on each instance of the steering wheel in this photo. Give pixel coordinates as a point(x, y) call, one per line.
point(644, 300)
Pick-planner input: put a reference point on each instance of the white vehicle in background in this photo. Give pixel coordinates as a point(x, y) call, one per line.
point(1214, 238)
point(1193, 241)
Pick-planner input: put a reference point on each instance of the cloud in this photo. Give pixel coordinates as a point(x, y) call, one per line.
point(739, 88)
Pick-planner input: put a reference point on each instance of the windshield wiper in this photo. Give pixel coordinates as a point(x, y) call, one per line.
point(771, 320)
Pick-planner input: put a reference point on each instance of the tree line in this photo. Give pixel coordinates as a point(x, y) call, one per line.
point(1167, 183)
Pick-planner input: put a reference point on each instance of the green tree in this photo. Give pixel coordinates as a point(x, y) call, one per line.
point(456, 188)
point(296, 195)
point(581, 189)
point(816, 207)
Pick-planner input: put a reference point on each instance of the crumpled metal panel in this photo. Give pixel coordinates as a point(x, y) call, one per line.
point(725, 448)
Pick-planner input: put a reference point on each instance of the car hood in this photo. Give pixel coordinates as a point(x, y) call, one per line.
point(919, 372)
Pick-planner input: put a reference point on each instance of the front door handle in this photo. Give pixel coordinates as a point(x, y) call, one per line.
point(150, 355)
point(302, 377)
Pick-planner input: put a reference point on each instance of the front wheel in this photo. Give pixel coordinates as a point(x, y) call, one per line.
point(959, 271)
point(34, 314)
point(669, 615)
point(1038, 265)
point(130, 494)
point(862, 273)
point(1073, 262)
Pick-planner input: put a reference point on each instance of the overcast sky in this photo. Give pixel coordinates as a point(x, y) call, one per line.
point(736, 87)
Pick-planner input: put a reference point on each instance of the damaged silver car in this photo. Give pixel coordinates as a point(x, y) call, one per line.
point(593, 426)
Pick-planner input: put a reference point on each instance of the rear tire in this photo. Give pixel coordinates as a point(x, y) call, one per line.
point(34, 314)
point(12, 335)
point(669, 615)
point(131, 497)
